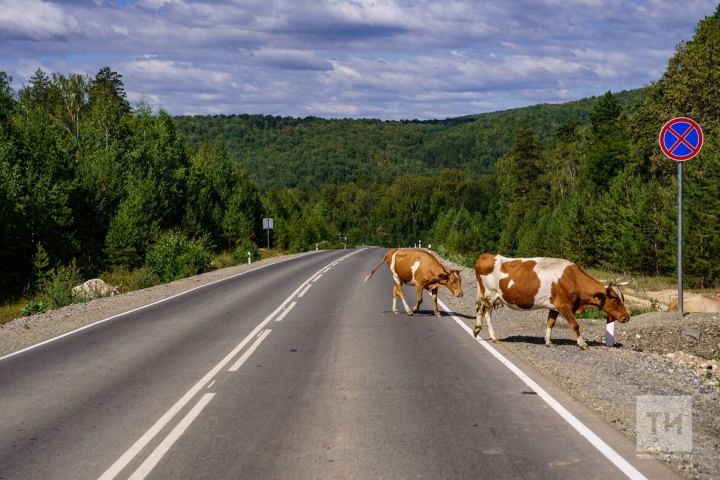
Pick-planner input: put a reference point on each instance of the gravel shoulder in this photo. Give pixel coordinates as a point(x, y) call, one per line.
point(27, 331)
point(655, 354)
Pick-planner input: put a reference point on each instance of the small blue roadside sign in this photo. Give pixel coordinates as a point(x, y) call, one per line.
point(681, 139)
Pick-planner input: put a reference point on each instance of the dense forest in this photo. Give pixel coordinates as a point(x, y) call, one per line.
point(90, 183)
point(284, 152)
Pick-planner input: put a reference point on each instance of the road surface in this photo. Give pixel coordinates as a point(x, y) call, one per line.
point(295, 371)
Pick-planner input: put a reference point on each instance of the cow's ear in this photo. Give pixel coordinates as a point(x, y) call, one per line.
point(599, 296)
point(444, 275)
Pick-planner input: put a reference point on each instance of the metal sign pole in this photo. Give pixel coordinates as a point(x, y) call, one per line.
point(680, 242)
point(680, 139)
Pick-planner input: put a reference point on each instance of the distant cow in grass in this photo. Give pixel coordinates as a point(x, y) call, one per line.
point(541, 282)
point(698, 304)
point(420, 268)
point(95, 288)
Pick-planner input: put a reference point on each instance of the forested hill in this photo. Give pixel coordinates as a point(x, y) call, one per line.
point(308, 153)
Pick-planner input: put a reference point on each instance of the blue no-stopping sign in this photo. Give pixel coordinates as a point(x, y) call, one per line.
point(681, 139)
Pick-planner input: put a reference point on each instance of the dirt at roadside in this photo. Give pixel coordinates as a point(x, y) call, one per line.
point(697, 334)
point(608, 380)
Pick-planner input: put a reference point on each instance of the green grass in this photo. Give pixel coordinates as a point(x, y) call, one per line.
point(222, 260)
point(129, 280)
point(11, 310)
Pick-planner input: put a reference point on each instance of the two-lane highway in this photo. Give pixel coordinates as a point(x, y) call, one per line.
point(295, 370)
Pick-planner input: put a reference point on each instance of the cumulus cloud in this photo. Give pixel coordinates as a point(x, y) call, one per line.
point(34, 20)
point(350, 58)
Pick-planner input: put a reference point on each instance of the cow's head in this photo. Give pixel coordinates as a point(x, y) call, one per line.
point(613, 302)
point(453, 281)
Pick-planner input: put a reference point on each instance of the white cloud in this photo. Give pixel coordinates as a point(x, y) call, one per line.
point(34, 19)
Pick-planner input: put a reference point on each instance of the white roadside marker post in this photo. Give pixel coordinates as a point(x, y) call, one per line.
point(249, 258)
point(610, 332)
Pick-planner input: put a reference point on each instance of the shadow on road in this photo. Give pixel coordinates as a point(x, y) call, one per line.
point(429, 313)
point(541, 340)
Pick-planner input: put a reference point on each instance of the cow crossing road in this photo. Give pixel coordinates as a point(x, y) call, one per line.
point(296, 370)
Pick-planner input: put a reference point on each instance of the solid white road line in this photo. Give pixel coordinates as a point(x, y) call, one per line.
point(287, 310)
point(137, 447)
point(90, 325)
point(317, 278)
point(211, 384)
point(304, 291)
point(236, 366)
point(152, 460)
point(614, 457)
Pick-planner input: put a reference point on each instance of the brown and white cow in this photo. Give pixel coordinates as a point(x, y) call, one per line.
point(420, 268)
point(541, 282)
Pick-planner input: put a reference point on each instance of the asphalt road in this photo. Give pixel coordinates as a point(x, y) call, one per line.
point(210, 385)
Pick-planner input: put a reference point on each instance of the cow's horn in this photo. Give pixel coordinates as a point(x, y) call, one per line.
point(622, 284)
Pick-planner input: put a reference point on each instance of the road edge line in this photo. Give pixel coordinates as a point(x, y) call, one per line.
point(608, 452)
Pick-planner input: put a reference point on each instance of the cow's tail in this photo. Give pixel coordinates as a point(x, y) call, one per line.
point(367, 277)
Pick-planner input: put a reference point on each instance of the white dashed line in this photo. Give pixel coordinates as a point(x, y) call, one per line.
point(287, 310)
point(304, 291)
point(236, 366)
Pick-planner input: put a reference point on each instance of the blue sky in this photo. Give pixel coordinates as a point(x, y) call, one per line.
point(389, 59)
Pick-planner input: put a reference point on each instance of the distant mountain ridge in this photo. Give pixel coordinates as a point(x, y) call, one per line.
point(287, 152)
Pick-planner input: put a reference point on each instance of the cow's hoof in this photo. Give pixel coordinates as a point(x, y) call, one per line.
point(549, 344)
point(395, 313)
point(410, 313)
point(495, 340)
point(437, 314)
point(583, 346)
point(476, 330)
